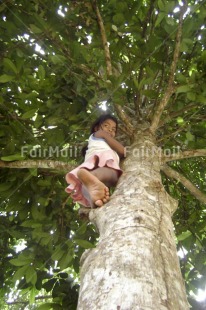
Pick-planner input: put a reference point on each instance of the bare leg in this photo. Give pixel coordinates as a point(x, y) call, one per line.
point(93, 189)
point(106, 175)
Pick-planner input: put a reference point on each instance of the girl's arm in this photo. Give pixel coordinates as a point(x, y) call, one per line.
point(114, 144)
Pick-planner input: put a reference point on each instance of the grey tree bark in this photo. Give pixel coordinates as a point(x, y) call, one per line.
point(135, 264)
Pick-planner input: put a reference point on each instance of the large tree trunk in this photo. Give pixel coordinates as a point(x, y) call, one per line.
point(135, 264)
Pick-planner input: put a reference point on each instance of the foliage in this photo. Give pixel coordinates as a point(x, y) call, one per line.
point(53, 81)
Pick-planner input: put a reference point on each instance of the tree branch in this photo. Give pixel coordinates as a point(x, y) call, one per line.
point(120, 112)
point(26, 302)
point(138, 98)
point(180, 112)
point(104, 39)
point(184, 154)
point(42, 164)
point(125, 119)
point(148, 18)
point(185, 182)
point(170, 87)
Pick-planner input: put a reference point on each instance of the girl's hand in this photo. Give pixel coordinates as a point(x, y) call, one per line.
point(101, 134)
point(113, 143)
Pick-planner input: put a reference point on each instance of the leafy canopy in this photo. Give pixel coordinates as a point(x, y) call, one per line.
point(54, 78)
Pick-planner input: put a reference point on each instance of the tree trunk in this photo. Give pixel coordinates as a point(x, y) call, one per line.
point(135, 264)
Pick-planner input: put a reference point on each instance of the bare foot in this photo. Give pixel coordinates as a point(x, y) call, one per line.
point(98, 192)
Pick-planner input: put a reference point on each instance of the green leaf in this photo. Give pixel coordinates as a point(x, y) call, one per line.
point(46, 306)
point(190, 136)
point(19, 53)
point(32, 296)
point(201, 99)
point(57, 255)
point(6, 78)
point(118, 19)
point(49, 284)
point(5, 186)
point(12, 157)
point(35, 29)
point(161, 5)
point(180, 120)
point(170, 6)
point(57, 59)
point(29, 114)
point(183, 89)
point(20, 273)
point(44, 182)
point(20, 261)
point(184, 235)
point(84, 243)
point(31, 223)
point(199, 261)
point(150, 93)
point(65, 260)
point(63, 275)
point(191, 96)
point(114, 28)
point(41, 72)
point(31, 276)
point(160, 17)
point(16, 234)
point(181, 78)
point(9, 64)
point(183, 47)
point(82, 229)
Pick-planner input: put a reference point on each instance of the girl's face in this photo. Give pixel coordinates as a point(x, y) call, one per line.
point(109, 126)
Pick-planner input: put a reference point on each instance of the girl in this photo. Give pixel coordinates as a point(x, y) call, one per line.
point(90, 182)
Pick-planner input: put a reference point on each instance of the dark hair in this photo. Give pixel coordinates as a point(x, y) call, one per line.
point(101, 119)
